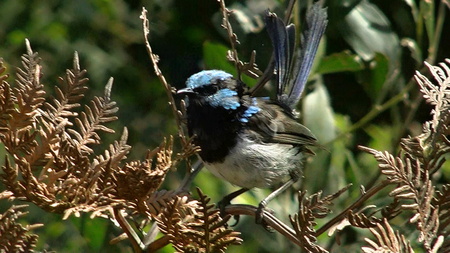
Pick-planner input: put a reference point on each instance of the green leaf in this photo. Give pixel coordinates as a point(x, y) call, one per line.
point(95, 231)
point(215, 57)
point(380, 69)
point(381, 136)
point(318, 114)
point(374, 78)
point(368, 31)
point(427, 11)
point(340, 62)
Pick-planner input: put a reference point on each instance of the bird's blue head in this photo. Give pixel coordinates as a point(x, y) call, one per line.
point(217, 88)
point(207, 77)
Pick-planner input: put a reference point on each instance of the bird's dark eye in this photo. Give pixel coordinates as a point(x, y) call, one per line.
point(207, 90)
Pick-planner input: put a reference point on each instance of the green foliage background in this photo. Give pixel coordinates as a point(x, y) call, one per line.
point(370, 53)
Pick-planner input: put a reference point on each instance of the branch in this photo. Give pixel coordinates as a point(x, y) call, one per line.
point(359, 202)
point(268, 218)
point(169, 89)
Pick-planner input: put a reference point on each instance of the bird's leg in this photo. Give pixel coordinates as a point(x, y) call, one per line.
point(226, 201)
point(262, 205)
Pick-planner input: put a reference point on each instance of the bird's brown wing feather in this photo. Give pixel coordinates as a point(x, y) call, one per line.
point(273, 124)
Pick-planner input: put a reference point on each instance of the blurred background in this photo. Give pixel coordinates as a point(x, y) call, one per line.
point(360, 91)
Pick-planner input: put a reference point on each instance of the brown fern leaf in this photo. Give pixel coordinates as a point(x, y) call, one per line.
point(170, 222)
point(311, 208)
point(9, 178)
point(27, 97)
point(196, 226)
point(392, 210)
point(436, 96)
point(30, 91)
point(136, 180)
point(57, 115)
point(388, 240)
point(157, 202)
point(14, 237)
point(6, 102)
point(248, 68)
point(433, 140)
point(92, 120)
point(442, 201)
point(117, 152)
point(415, 189)
point(208, 229)
point(51, 131)
point(360, 220)
point(67, 97)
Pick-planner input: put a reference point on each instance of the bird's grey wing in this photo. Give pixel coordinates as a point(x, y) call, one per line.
point(273, 124)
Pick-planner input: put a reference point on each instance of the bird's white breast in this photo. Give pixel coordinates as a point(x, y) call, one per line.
point(251, 164)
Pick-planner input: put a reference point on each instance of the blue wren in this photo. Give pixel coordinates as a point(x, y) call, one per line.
point(252, 141)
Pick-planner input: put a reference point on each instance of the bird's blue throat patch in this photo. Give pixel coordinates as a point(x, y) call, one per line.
point(251, 110)
point(225, 98)
point(206, 77)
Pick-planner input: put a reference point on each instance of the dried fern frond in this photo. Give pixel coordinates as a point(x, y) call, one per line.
point(14, 237)
point(20, 110)
point(158, 201)
point(6, 102)
point(310, 209)
point(136, 180)
point(437, 96)
point(388, 240)
point(92, 120)
point(71, 91)
point(360, 220)
point(442, 199)
point(433, 144)
point(201, 230)
point(414, 189)
point(29, 92)
point(63, 174)
point(423, 156)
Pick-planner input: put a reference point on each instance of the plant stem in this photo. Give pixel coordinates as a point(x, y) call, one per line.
point(368, 194)
point(268, 218)
point(434, 43)
point(169, 90)
point(132, 236)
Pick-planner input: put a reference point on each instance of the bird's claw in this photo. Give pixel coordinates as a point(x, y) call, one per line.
point(221, 205)
point(259, 216)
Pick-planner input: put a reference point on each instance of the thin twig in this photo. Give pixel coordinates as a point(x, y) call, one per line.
point(169, 90)
point(189, 177)
point(126, 227)
point(268, 218)
point(434, 44)
point(231, 36)
point(158, 244)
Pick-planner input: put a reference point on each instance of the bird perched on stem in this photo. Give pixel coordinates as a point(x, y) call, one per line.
point(252, 141)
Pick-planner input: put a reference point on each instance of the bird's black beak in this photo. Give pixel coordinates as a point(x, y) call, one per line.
point(185, 91)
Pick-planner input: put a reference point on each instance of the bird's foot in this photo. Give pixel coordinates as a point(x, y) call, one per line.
point(222, 205)
point(259, 216)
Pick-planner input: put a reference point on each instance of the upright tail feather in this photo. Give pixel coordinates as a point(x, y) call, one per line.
point(283, 41)
point(290, 90)
point(316, 22)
